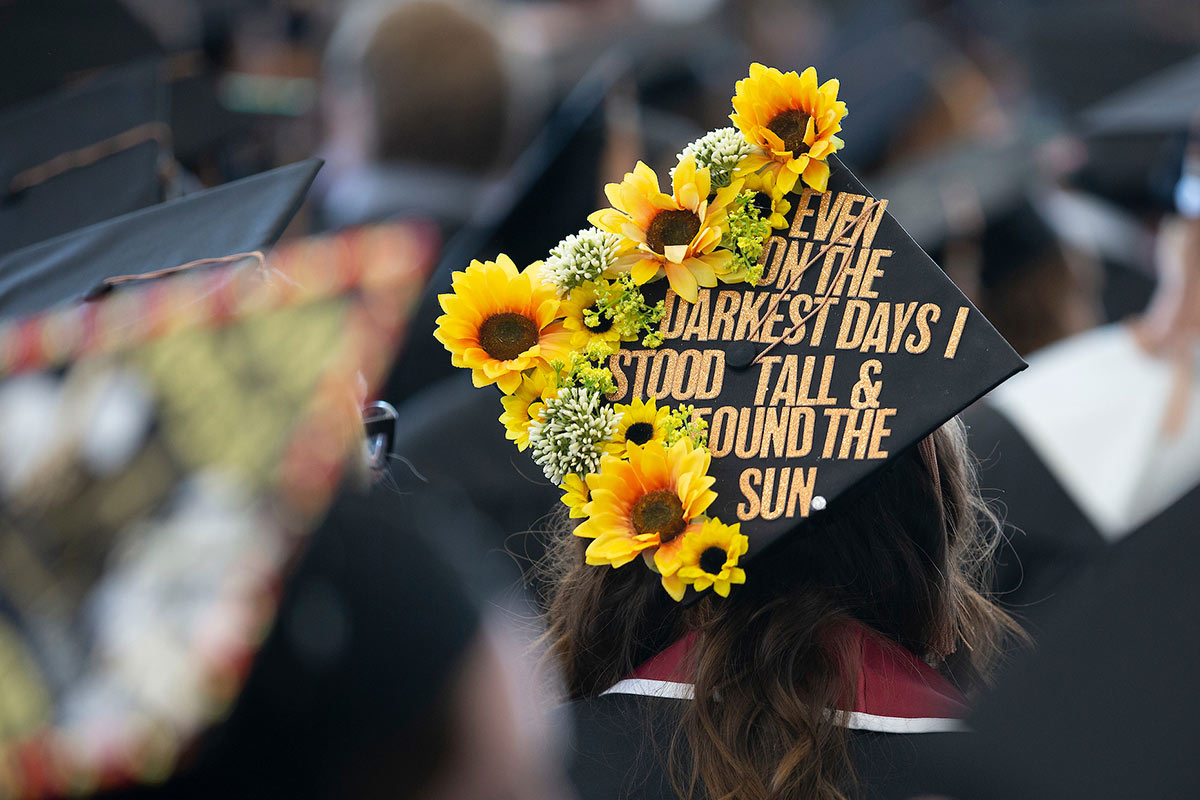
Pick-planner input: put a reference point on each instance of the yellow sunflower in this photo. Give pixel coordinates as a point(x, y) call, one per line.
point(677, 234)
point(646, 500)
point(575, 495)
point(771, 204)
point(581, 301)
point(792, 121)
point(709, 557)
point(500, 322)
point(642, 421)
point(525, 404)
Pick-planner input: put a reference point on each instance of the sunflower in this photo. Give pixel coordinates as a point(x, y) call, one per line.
point(500, 322)
point(709, 557)
point(676, 233)
point(526, 403)
point(577, 308)
point(642, 421)
point(575, 495)
point(793, 122)
point(772, 205)
point(646, 500)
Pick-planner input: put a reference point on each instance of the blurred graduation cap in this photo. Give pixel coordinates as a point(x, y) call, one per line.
point(239, 217)
point(165, 452)
point(1137, 137)
point(1167, 102)
point(1107, 705)
point(979, 191)
point(45, 44)
point(83, 155)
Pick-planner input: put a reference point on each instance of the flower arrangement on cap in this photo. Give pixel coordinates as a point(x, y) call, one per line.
point(637, 474)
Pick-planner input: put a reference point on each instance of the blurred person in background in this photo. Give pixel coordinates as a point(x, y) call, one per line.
point(416, 107)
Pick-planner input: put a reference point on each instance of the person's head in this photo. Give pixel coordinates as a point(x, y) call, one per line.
point(905, 555)
point(417, 82)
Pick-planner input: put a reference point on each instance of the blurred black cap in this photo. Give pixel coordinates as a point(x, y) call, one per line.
point(82, 155)
point(979, 192)
point(239, 217)
point(1167, 102)
point(47, 43)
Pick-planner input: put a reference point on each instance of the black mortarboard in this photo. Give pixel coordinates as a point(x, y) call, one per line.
point(1107, 705)
point(239, 217)
point(1168, 102)
point(46, 43)
point(895, 352)
point(83, 155)
point(166, 450)
point(979, 191)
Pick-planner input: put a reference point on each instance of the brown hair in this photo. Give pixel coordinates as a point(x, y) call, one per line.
point(437, 83)
point(906, 555)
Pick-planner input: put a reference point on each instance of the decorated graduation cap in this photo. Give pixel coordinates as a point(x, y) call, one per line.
point(230, 220)
point(165, 450)
point(705, 369)
point(83, 155)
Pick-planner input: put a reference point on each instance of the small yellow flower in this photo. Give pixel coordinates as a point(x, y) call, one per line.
point(677, 234)
point(709, 557)
point(792, 121)
point(646, 501)
point(642, 421)
point(769, 201)
point(500, 322)
point(575, 495)
point(575, 309)
point(525, 404)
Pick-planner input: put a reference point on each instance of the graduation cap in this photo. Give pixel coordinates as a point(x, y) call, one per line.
point(236, 218)
point(832, 344)
point(853, 346)
point(83, 155)
point(980, 191)
point(48, 43)
point(1166, 102)
point(166, 450)
point(1138, 137)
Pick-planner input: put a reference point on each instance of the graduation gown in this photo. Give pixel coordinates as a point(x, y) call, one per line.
point(1092, 443)
point(623, 735)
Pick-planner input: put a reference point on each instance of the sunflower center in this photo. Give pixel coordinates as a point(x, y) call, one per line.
point(670, 228)
point(790, 126)
point(762, 203)
point(712, 560)
point(659, 512)
point(507, 335)
point(604, 322)
point(640, 433)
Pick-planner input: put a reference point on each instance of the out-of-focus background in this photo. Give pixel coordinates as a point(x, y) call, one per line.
point(1044, 152)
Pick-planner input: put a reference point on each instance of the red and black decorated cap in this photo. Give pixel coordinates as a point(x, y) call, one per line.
point(853, 346)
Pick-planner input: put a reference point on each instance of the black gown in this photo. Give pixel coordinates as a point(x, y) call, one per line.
point(623, 736)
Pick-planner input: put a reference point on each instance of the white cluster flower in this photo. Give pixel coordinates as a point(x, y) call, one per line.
point(568, 437)
point(581, 257)
point(721, 151)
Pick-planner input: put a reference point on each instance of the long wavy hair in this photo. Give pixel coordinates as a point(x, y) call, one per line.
point(907, 555)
